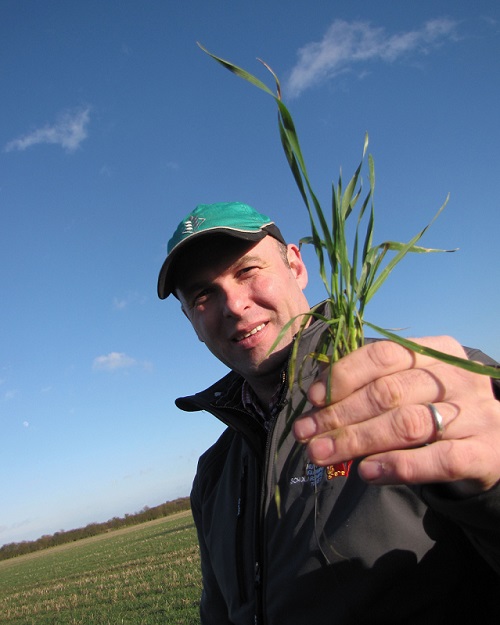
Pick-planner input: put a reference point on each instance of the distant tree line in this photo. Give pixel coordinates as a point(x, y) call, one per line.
point(12, 550)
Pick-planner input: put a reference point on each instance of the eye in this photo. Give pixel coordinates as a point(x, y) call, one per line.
point(200, 298)
point(250, 270)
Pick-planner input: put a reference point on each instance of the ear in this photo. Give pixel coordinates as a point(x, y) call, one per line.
point(297, 265)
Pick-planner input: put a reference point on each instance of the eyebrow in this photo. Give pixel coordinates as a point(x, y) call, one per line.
point(248, 258)
point(190, 287)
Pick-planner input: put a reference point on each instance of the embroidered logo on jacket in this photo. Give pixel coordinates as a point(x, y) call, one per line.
point(340, 469)
point(315, 474)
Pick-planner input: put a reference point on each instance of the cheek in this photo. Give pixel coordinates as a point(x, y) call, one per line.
point(205, 327)
point(269, 291)
point(277, 292)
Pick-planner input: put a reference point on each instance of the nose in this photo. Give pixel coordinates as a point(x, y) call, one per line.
point(236, 301)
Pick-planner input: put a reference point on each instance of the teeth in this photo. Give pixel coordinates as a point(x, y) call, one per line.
point(254, 331)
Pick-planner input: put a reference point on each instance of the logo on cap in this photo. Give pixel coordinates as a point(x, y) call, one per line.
point(192, 224)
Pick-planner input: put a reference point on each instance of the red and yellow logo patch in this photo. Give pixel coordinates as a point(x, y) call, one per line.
point(341, 469)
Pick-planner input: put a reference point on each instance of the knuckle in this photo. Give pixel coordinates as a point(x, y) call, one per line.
point(352, 440)
point(459, 460)
point(412, 426)
point(406, 471)
point(384, 353)
point(387, 393)
point(336, 419)
point(452, 346)
point(328, 418)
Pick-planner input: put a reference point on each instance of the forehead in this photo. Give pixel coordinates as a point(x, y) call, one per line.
point(212, 255)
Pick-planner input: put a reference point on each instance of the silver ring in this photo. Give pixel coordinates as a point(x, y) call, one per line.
point(437, 418)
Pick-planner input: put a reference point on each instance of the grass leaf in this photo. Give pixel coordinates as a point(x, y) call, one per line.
point(463, 363)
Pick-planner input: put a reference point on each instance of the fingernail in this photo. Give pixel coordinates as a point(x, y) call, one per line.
point(317, 394)
point(321, 449)
point(305, 428)
point(371, 470)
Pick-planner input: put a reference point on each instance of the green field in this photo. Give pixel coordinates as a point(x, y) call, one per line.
point(142, 575)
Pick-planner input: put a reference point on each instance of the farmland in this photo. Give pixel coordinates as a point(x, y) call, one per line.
point(142, 575)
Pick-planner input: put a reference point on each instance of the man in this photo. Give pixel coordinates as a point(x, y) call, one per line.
point(382, 507)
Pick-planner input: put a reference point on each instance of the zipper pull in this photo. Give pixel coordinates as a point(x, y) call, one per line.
point(257, 574)
point(259, 610)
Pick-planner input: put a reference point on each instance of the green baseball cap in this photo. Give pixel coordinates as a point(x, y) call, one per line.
point(232, 218)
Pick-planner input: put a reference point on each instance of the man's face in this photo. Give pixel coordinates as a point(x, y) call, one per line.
point(239, 296)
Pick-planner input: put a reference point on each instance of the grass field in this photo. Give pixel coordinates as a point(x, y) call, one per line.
point(142, 575)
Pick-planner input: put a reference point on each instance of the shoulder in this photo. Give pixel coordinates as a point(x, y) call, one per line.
point(222, 458)
point(217, 453)
point(227, 390)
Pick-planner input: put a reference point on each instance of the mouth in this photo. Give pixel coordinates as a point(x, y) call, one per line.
point(241, 337)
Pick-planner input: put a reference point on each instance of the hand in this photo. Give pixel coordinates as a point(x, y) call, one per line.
point(379, 411)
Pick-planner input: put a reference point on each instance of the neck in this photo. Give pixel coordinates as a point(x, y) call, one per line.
point(265, 388)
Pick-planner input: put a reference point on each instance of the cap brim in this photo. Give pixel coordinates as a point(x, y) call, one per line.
point(166, 283)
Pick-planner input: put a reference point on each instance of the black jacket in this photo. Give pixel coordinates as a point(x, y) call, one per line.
point(339, 551)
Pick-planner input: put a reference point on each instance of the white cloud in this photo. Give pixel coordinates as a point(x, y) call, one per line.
point(69, 130)
point(132, 297)
point(347, 43)
point(120, 304)
point(113, 361)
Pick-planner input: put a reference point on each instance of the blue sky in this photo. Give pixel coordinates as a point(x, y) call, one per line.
point(115, 125)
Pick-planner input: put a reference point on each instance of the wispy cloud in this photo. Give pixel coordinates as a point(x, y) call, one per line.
point(346, 44)
point(120, 303)
point(113, 361)
point(117, 360)
point(68, 131)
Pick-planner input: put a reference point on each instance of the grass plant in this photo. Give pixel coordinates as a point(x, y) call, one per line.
point(351, 274)
point(142, 575)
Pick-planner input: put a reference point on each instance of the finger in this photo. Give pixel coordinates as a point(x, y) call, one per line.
point(413, 386)
point(375, 360)
point(458, 462)
point(420, 465)
point(405, 428)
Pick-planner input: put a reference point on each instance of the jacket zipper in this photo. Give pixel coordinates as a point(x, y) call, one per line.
point(240, 531)
point(259, 618)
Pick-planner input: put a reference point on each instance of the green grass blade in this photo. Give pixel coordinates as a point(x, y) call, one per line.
point(238, 71)
point(402, 251)
point(463, 363)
